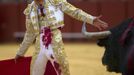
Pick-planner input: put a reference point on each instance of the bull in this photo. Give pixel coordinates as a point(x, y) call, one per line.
point(119, 46)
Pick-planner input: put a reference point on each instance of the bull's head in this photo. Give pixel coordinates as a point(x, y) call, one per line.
point(118, 43)
point(94, 35)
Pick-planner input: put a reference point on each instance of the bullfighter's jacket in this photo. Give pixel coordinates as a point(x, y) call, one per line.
point(54, 19)
point(53, 8)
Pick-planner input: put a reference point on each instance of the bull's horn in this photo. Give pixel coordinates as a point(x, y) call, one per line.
point(94, 35)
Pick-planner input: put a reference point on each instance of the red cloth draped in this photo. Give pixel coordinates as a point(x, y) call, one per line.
point(22, 67)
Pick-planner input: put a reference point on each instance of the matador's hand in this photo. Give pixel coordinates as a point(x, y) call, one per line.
point(17, 57)
point(99, 23)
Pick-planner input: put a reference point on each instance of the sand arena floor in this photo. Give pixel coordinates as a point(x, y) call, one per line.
point(84, 58)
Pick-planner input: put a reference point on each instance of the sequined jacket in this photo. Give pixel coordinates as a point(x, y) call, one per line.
point(54, 14)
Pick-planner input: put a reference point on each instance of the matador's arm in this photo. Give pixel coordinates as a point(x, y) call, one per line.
point(28, 38)
point(74, 12)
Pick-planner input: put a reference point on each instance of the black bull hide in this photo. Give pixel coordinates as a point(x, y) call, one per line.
point(117, 55)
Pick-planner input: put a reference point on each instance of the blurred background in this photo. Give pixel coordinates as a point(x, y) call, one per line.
point(83, 54)
point(12, 19)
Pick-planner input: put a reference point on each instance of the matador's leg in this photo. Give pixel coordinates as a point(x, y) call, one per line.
point(39, 60)
point(39, 65)
point(59, 52)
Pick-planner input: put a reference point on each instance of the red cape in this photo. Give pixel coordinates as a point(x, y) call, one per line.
point(22, 67)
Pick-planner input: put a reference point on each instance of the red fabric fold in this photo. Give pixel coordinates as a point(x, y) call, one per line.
point(22, 67)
